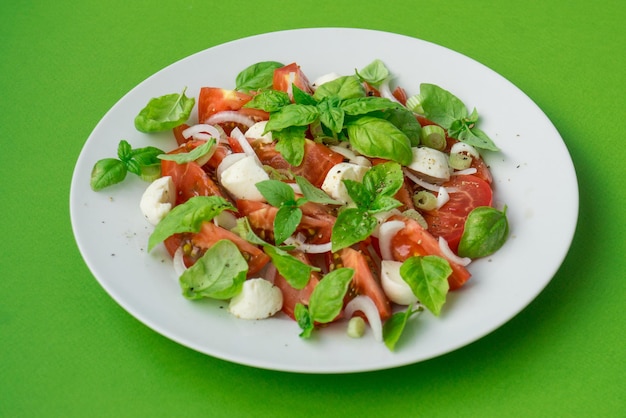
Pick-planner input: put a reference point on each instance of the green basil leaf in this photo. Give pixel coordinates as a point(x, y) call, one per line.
point(441, 106)
point(326, 300)
point(296, 272)
point(218, 274)
point(188, 217)
point(302, 97)
point(352, 225)
point(345, 87)
point(257, 76)
point(360, 195)
point(269, 101)
point(405, 120)
point(276, 192)
point(124, 150)
point(193, 155)
point(305, 322)
point(368, 104)
point(375, 73)
point(292, 115)
point(285, 223)
point(107, 172)
point(394, 327)
point(427, 276)
point(384, 179)
point(290, 143)
point(331, 115)
point(477, 138)
point(244, 230)
point(164, 113)
point(313, 194)
point(375, 137)
point(486, 230)
point(383, 204)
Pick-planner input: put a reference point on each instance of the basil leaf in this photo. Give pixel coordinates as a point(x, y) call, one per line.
point(124, 151)
point(331, 115)
point(285, 223)
point(394, 326)
point(477, 138)
point(360, 195)
point(441, 106)
point(352, 225)
point(384, 179)
point(302, 97)
point(107, 172)
point(193, 155)
point(188, 217)
point(486, 230)
point(142, 157)
point(290, 143)
point(375, 73)
point(269, 101)
point(218, 274)
point(276, 192)
point(383, 204)
point(405, 120)
point(257, 76)
point(244, 230)
point(296, 272)
point(375, 137)
point(292, 115)
point(368, 104)
point(313, 194)
point(345, 87)
point(305, 322)
point(326, 300)
point(164, 113)
point(427, 276)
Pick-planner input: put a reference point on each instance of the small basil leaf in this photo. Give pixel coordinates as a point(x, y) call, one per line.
point(257, 76)
point(188, 217)
point(269, 101)
point(164, 113)
point(352, 225)
point(313, 194)
point(384, 179)
point(477, 138)
point(292, 115)
point(193, 155)
point(296, 272)
point(427, 276)
point(486, 230)
point(394, 326)
point(345, 87)
point(276, 192)
point(375, 73)
point(124, 151)
point(107, 172)
point(441, 106)
point(331, 115)
point(290, 143)
point(375, 137)
point(360, 195)
point(305, 322)
point(405, 120)
point(285, 223)
point(326, 300)
point(218, 274)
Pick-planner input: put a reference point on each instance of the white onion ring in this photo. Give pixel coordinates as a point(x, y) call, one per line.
point(386, 232)
point(202, 131)
point(447, 252)
point(347, 153)
point(178, 263)
point(245, 145)
point(229, 116)
point(460, 147)
point(426, 185)
point(467, 171)
point(298, 242)
point(366, 305)
point(385, 91)
point(442, 197)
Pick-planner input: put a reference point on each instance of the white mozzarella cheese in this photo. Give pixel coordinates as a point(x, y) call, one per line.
point(333, 183)
point(258, 299)
point(158, 199)
point(256, 132)
point(430, 164)
point(241, 176)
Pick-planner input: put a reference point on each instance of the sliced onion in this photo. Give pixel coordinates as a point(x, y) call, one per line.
point(347, 153)
point(298, 242)
point(471, 170)
point(385, 91)
point(426, 185)
point(296, 187)
point(202, 131)
point(366, 305)
point(442, 197)
point(449, 254)
point(460, 147)
point(178, 262)
point(386, 232)
point(245, 145)
point(229, 116)
point(229, 160)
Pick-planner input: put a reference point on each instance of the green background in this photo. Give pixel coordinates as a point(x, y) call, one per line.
point(67, 349)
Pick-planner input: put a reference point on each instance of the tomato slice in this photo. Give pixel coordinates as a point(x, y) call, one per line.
point(449, 221)
point(292, 296)
point(189, 178)
point(212, 100)
point(413, 240)
point(195, 245)
point(317, 161)
point(364, 282)
point(283, 78)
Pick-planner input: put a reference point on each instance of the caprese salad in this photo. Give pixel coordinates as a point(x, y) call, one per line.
point(341, 199)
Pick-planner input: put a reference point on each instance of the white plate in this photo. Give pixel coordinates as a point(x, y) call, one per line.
point(533, 173)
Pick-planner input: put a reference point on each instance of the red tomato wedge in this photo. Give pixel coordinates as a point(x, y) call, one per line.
point(214, 99)
point(364, 282)
point(317, 162)
point(189, 178)
point(293, 296)
point(413, 240)
point(195, 245)
point(290, 74)
point(449, 220)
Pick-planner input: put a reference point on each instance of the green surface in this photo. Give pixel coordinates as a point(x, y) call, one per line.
point(67, 349)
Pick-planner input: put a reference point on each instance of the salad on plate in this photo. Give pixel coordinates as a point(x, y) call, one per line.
point(341, 199)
